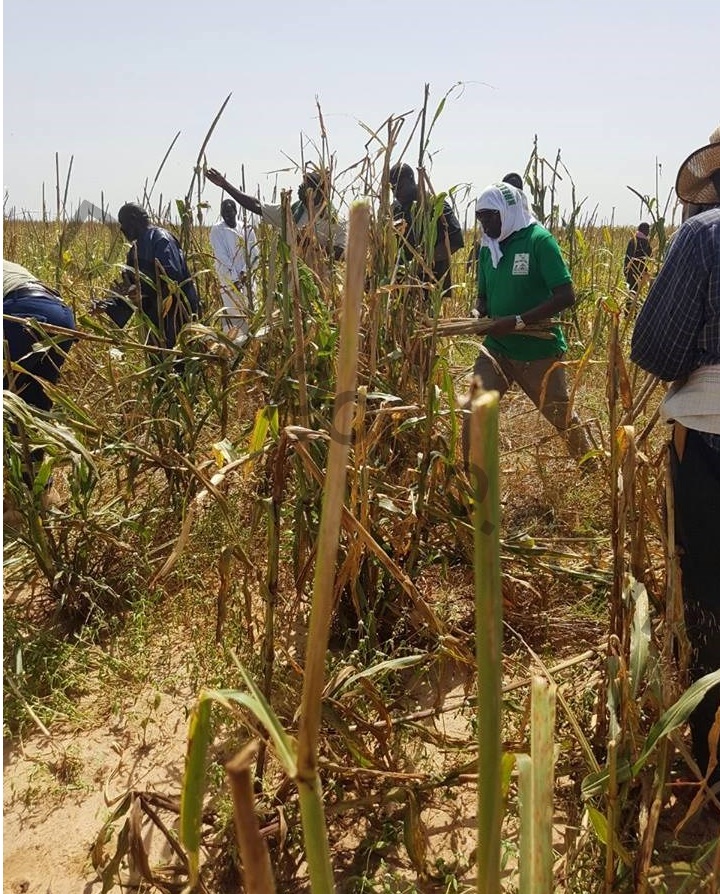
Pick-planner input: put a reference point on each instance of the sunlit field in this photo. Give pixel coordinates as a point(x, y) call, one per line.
point(167, 591)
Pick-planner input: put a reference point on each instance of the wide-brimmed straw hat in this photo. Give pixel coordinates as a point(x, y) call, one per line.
point(694, 180)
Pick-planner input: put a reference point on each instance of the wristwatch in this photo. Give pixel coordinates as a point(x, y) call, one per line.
point(519, 322)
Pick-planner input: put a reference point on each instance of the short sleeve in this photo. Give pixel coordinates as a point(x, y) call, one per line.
point(272, 214)
point(552, 266)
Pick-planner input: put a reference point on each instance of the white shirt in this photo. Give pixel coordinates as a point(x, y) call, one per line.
point(231, 251)
point(695, 403)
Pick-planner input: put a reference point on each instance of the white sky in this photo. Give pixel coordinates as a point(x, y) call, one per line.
point(612, 84)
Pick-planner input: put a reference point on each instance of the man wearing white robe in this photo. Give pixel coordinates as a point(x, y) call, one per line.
point(235, 249)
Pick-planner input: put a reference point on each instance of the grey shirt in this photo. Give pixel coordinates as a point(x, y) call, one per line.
point(329, 233)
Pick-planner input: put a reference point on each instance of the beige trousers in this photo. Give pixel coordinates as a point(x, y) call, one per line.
point(545, 383)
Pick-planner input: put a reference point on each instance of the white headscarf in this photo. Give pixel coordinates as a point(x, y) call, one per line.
point(514, 214)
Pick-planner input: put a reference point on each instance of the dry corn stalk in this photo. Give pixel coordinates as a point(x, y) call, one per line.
point(480, 326)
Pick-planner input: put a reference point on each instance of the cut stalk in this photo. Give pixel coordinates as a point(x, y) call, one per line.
point(612, 817)
point(524, 765)
point(541, 737)
point(488, 633)
point(311, 806)
point(253, 849)
point(299, 356)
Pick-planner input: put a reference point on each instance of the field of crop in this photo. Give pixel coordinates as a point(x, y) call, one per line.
point(253, 600)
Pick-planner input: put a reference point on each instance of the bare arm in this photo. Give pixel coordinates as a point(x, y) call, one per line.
point(563, 296)
point(243, 199)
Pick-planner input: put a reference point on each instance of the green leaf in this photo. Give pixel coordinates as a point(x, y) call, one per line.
point(109, 873)
point(410, 423)
point(224, 452)
point(614, 697)
point(266, 420)
point(600, 826)
point(191, 801)
point(675, 716)
point(284, 745)
point(448, 387)
point(595, 784)
point(381, 668)
point(45, 429)
point(438, 111)
point(507, 766)
point(256, 704)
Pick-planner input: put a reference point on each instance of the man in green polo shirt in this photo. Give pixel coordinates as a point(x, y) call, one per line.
point(523, 280)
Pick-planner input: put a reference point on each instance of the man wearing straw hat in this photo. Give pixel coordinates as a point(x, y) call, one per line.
point(522, 281)
point(677, 338)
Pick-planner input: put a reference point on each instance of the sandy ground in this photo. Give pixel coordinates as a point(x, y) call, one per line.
point(58, 794)
point(54, 793)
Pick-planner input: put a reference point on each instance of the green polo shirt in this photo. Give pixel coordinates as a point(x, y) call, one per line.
point(530, 268)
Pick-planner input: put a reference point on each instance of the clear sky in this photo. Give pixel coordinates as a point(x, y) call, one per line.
point(613, 85)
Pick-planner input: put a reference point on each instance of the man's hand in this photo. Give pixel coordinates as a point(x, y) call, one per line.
point(502, 326)
point(126, 288)
point(98, 306)
point(214, 176)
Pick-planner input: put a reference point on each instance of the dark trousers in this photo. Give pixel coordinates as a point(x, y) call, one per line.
point(43, 307)
point(696, 482)
point(38, 366)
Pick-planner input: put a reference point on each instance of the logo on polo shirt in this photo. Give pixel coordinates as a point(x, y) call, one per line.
point(521, 264)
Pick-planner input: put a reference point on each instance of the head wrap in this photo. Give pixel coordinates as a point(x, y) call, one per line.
point(514, 212)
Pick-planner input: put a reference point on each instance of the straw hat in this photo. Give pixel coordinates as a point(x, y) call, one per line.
point(694, 180)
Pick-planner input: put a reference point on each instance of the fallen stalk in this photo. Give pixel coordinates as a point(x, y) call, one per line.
point(463, 703)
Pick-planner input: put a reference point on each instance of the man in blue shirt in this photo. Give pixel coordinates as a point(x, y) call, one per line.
point(163, 274)
point(677, 338)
